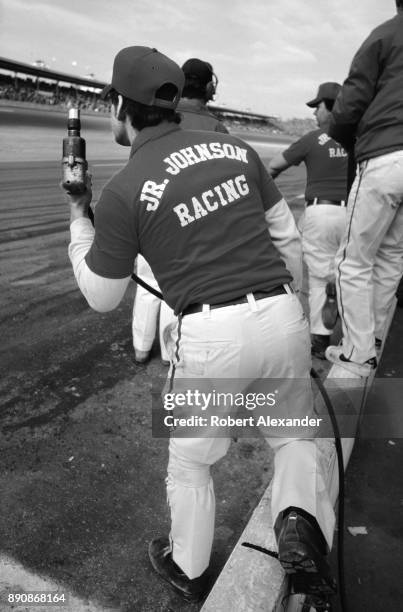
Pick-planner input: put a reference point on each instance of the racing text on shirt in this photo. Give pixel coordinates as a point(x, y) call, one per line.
point(210, 200)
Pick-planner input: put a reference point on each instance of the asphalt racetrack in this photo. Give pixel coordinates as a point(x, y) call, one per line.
point(81, 477)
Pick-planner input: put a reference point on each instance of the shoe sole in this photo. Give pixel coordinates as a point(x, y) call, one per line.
point(309, 573)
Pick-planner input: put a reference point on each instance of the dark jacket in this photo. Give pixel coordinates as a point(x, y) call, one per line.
point(368, 111)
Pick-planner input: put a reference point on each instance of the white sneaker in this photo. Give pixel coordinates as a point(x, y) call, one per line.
point(335, 355)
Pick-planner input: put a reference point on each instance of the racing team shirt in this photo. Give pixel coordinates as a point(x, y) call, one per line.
point(326, 165)
point(193, 204)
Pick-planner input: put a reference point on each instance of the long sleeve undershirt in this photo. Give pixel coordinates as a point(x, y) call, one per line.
point(287, 239)
point(102, 294)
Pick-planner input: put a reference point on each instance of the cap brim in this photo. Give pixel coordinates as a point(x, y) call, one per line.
point(314, 102)
point(105, 92)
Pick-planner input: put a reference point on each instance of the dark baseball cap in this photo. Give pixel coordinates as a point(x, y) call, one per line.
point(326, 91)
point(139, 72)
point(198, 69)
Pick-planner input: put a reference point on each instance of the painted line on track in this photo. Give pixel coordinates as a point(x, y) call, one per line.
point(16, 580)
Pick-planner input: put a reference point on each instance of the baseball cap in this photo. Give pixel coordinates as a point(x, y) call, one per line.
point(139, 72)
point(198, 69)
point(328, 91)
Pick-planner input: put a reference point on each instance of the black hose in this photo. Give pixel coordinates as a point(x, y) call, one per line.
point(340, 462)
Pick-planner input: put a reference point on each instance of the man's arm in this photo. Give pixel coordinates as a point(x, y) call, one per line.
point(277, 165)
point(357, 93)
point(102, 294)
point(287, 239)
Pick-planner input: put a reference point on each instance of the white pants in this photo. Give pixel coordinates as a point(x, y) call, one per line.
point(266, 339)
point(369, 261)
point(145, 312)
point(322, 227)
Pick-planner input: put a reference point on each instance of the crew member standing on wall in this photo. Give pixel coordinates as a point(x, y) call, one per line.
point(200, 87)
point(324, 219)
point(368, 115)
point(224, 248)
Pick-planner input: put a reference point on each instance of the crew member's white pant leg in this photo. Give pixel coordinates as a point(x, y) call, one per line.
point(299, 480)
point(317, 298)
point(238, 344)
point(167, 318)
point(374, 222)
point(191, 499)
point(388, 270)
point(322, 229)
point(299, 475)
point(145, 309)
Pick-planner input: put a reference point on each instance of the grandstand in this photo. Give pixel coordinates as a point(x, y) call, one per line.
point(38, 85)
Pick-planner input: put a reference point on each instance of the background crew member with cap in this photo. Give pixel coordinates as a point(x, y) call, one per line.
point(202, 209)
point(368, 114)
point(324, 219)
point(200, 87)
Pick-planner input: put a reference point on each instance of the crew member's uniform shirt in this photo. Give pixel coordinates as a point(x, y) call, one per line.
point(326, 165)
point(180, 193)
point(197, 116)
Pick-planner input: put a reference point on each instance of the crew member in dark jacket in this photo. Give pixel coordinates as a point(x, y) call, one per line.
point(368, 115)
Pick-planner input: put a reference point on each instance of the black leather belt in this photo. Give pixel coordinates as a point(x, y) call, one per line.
point(258, 295)
point(323, 201)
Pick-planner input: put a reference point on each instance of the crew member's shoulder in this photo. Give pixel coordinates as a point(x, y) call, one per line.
point(211, 136)
point(309, 138)
point(191, 105)
point(389, 26)
point(385, 30)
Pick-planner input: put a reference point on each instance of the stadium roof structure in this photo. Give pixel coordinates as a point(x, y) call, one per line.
point(45, 73)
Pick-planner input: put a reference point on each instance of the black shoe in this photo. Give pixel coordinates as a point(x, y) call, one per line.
point(319, 345)
point(159, 551)
point(329, 310)
point(302, 551)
